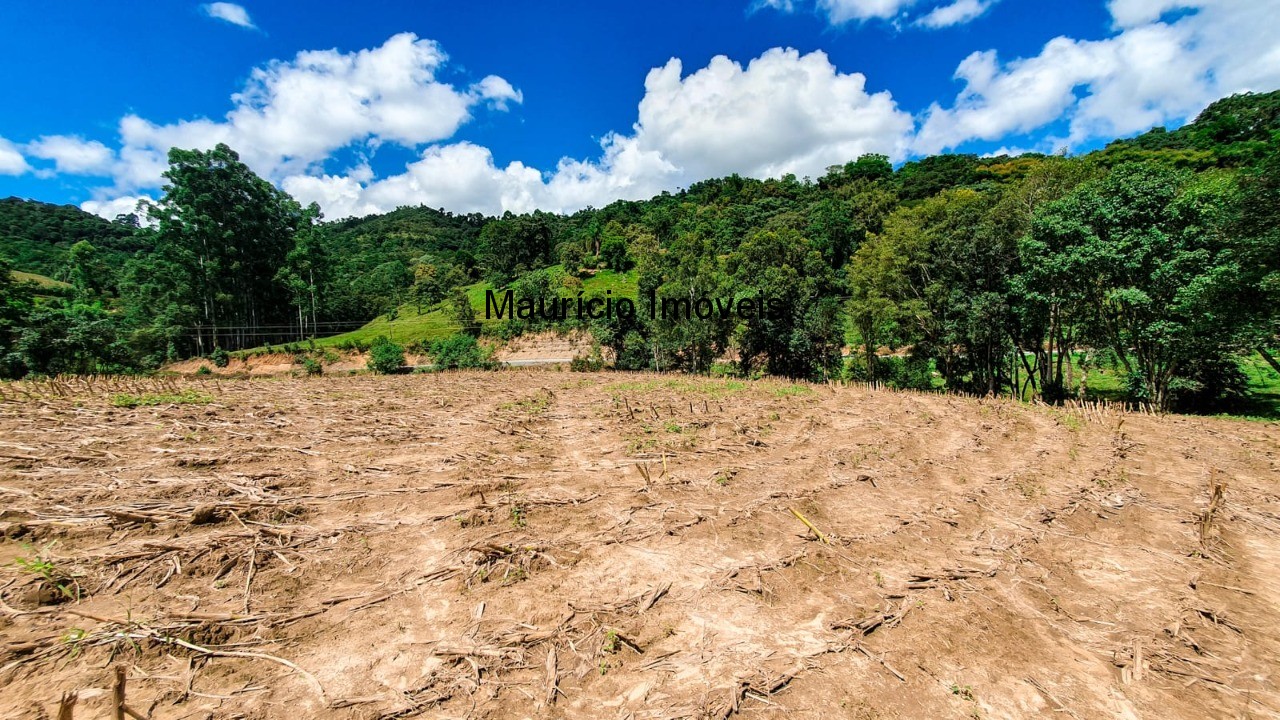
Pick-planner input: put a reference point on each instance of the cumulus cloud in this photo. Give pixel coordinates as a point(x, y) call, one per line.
point(840, 11)
point(782, 113)
point(11, 160)
point(72, 154)
point(957, 13)
point(1152, 71)
point(114, 207)
point(293, 114)
point(229, 12)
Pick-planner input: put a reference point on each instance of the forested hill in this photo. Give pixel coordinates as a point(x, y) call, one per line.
point(1232, 132)
point(36, 237)
point(378, 255)
point(1157, 257)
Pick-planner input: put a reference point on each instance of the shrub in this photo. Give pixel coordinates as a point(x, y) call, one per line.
point(204, 370)
point(505, 330)
point(385, 356)
point(220, 357)
point(460, 351)
point(310, 365)
point(1210, 384)
point(613, 251)
point(907, 373)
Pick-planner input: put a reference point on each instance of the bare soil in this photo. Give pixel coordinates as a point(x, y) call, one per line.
point(544, 347)
point(540, 544)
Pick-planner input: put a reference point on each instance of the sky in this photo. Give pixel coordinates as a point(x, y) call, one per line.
point(515, 106)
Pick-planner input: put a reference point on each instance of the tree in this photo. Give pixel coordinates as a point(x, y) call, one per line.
point(882, 307)
point(72, 339)
point(516, 243)
point(306, 271)
point(87, 271)
point(1146, 257)
point(462, 314)
point(15, 305)
point(803, 337)
point(1256, 248)
point(426, 290)
point(613, 251)
point(223, 233)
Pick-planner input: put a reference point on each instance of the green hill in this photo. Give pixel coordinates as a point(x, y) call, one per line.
point(1231, 132)
point(35, 236)
point(407, 325)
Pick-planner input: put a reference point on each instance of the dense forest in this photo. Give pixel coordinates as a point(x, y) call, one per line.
point(1157, 255)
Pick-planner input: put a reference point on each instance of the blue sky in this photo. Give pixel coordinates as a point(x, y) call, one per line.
point(511, 106)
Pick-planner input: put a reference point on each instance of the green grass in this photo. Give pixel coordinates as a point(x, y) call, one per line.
point(434, 323)
point(42, 280)
point(186, 397)
point(1264, 389)
point(792, 390)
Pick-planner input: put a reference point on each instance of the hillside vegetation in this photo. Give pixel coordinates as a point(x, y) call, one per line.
point(37, 237)
point(1151, 264)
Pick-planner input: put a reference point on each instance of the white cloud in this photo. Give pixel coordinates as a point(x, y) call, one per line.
point(293, 114)
point(74, 155)
point(109, 209)
point(783, 113)
point(11, 160)
point(842, 11)
point(1151, 72)
point(896, 12)
point(957, 13)
point(230, 12)
point(1131, 13)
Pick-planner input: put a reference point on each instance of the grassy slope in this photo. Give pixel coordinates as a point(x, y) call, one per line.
point(41, 280)
point(434, 323)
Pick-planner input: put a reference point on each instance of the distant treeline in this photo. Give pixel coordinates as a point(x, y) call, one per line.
point(1160, 254)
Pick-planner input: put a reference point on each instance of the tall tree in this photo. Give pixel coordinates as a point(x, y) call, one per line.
point(229, 232)
point(306, 271)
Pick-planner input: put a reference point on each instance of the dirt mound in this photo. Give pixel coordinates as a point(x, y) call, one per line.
point(563, 545)
point(545, 347)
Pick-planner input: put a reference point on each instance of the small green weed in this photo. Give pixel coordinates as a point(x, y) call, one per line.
point(186, 397)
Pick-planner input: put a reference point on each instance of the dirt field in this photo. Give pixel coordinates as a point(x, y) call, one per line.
point(537, 544)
